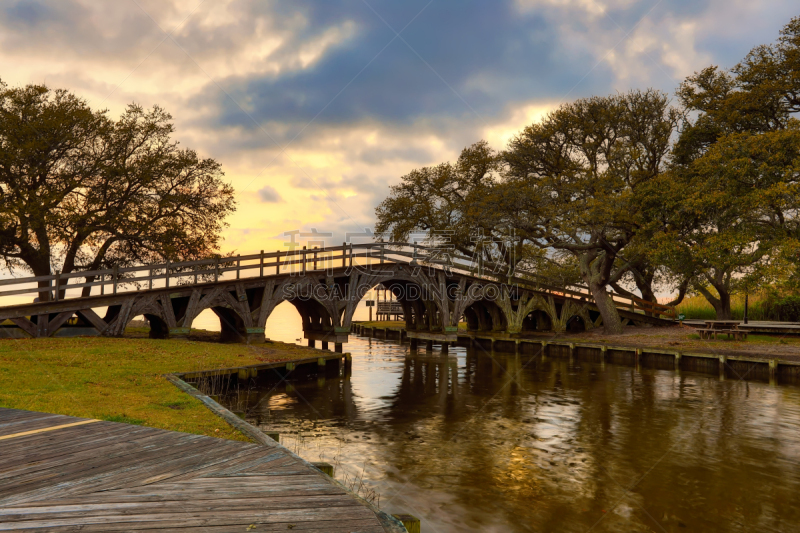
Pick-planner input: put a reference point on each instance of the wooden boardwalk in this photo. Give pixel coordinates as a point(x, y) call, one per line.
point(59, 473)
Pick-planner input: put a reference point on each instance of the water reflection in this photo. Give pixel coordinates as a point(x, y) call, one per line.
point(491, 442)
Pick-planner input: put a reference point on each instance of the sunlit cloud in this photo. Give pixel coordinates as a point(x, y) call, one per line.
point(314, 108)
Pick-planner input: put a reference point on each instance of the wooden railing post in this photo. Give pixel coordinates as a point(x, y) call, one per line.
point(150, 281)
point(351, 255)
point(261, 266)
point(216, 270)
point(278, 262)
point(303, 259)
point(238, 264)
point(58, 288)
point(166, 273)
point(344, 254)
point(102, 284)
point(315, 257)
point(383, 252)
point(115, 277)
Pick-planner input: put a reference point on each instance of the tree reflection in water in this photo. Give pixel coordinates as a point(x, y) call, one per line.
point(477, 441)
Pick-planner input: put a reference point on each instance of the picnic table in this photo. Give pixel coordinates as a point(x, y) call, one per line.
point(714, 328)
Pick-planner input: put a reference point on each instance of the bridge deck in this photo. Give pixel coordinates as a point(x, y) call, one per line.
point(105, 476)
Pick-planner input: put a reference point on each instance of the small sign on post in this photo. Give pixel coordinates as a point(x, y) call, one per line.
point(370, 304)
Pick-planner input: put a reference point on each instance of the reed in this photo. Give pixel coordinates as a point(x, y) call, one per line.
point(762, 305)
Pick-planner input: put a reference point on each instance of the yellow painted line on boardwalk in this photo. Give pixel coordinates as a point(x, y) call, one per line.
point(52, 428)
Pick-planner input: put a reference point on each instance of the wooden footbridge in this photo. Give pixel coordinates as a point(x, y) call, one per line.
point(325, 285)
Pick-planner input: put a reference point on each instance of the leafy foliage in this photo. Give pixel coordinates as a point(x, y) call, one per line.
point(87, 192)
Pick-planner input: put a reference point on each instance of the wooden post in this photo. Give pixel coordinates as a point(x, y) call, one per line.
point(303, 255)
point(115, 276)
point(311, 343)
point(383, 252)
point(216, 270)
point(261, 266)
point(195, 278)
point(411, 522)
point(746, 297)
point(315, 258)
point(344, 254)
point(166, 273)
point(326, 468)
point(278, 262)
point(150, 281)
point(58, 288)
point(103, 284)
point(238, 264)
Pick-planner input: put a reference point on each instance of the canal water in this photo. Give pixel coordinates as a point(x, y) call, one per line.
point(477, 441)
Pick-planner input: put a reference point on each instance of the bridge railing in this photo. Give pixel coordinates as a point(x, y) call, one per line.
point(302, 260)
point(498, 272)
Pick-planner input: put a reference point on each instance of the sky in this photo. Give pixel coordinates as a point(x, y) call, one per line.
point(314, 108)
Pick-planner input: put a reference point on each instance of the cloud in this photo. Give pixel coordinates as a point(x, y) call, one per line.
point(269, 194)
point(316, 107)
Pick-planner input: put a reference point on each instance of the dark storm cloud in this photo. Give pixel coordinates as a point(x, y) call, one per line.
point(481, 55)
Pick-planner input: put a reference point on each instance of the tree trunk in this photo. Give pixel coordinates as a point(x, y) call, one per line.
point(723, 308)
point(612, 324)
point(41, 268)
point(721, 305)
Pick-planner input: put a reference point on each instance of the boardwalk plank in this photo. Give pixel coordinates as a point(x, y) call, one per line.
point(113, 477)
point(29, 424)
point(22, 514)
point(59, 452)
point(253, 516)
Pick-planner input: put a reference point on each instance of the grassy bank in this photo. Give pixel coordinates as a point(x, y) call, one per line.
point(120, 379)
point(760, 307)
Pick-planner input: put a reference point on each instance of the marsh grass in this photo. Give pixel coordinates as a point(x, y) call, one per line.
point(760, 307)
point(121, 380)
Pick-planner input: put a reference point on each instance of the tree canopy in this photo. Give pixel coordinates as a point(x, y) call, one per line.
point(83, 192)
point(728, 207)
point(703, 196)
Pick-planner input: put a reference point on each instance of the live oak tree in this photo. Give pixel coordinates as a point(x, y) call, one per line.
point(452, 201)
point(80, 191)
point(574, 181)
point(463, 204)
point(729, 206)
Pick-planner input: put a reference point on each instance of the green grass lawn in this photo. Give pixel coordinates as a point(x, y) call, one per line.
point(121, 379)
